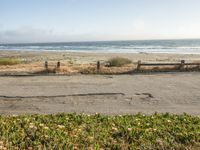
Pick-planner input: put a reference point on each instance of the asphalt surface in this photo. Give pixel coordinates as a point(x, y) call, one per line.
point(110, 94)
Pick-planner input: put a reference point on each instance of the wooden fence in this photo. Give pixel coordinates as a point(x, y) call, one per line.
point(181, 65)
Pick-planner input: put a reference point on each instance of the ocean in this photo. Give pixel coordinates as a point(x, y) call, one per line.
point(139, 46)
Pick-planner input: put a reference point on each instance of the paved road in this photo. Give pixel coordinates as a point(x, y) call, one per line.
point(113, 94)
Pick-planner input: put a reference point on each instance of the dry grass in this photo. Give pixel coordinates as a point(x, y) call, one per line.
point(66, 68)
point(9, 61)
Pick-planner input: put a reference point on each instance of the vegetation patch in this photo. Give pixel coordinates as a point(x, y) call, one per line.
point(72, 131)
point(119, 62)
point(9, 61)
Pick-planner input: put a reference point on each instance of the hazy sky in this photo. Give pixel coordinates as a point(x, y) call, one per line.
point(91, 20)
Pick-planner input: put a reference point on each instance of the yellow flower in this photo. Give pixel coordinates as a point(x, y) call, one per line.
point(169, 121)
point(115, 129)
point(41, 125)
point(79, 130)
point(91, 138)
point(46, 128)
point(61, 126)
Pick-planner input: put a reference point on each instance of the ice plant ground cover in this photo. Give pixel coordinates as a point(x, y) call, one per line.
point(81, 131)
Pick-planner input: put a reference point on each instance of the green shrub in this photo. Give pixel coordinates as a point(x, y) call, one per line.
point(9, 61)
point(119, 62)
point(72, 131)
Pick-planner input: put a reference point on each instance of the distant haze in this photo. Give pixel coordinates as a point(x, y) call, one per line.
point(23, 21)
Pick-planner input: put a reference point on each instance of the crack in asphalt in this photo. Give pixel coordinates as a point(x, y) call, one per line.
point(57, 96)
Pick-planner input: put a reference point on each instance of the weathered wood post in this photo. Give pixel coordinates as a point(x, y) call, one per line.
point(139, 65)
point(98, 66)
point(58, 64)
point(182, 65)
point(199, 67)
point(46, 65)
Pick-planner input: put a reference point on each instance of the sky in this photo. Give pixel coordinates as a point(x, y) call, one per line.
point(23, 21)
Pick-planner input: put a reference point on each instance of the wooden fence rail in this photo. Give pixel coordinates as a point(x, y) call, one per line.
point(181, 64)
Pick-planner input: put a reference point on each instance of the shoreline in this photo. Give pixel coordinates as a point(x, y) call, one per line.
point(97, 52)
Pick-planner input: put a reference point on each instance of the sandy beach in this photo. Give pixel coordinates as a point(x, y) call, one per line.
point(86, 58)
point(107, 94)
point(73, 63)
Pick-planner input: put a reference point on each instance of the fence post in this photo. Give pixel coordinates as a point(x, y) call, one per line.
point(139, 64)
point(58, 64)
point(182, 65)
point(46, 65)
point(98, 66)
point(199, 66)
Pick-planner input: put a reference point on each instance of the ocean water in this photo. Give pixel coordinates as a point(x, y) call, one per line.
point(140, 46)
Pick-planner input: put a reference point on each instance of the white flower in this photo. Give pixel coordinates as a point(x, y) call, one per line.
point(148, 129)
point(129, 129)
point(32, 126)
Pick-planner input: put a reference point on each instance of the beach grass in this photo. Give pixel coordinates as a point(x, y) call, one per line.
point(72, 131)
point(119, 62)
point(9, 61)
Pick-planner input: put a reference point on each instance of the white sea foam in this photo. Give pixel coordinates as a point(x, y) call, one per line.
point(151, 46)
